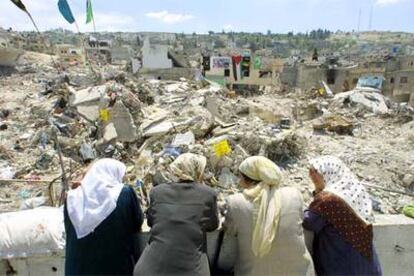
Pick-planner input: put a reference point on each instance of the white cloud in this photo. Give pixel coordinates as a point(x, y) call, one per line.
point(169, 17)
point(228, 27)
point(387, 2)
point(112, 22)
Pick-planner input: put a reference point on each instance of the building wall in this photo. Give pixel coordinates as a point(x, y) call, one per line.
point(392, 239)
point(168, 73)
point(155, 56)
point(121, 55)
point(399, 84)
point(309, 76)
point(69, 54)
point(274, 66)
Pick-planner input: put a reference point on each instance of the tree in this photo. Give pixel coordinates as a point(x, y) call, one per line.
point(219, 44)
point(210, 33)
point(269, 32)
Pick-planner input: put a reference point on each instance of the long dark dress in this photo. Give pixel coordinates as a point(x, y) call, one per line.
point(332, 253)
point(109, 250)
point(179, 215)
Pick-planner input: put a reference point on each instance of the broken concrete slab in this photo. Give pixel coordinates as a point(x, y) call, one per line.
point(334, 123)
point(123, 123)
point(202, 120)
point(110, 133)
point(269, 110)
point(185, 139)
point(89, 112)
point(370, 101)
point(88, 95)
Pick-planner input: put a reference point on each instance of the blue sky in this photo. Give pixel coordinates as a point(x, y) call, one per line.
point(203, 15)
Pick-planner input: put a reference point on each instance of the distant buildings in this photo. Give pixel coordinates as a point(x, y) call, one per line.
point(70, 54)
point(155, 56)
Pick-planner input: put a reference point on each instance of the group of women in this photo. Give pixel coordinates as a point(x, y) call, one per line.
point(103, 216)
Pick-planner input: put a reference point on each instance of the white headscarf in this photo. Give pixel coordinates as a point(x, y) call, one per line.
point(266, 201)
point(188, 167)
point(343, 183)
point(95, 199)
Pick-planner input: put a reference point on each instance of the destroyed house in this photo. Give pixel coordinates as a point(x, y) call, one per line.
point(399, 84)
point(70, 54)
point(243, 69)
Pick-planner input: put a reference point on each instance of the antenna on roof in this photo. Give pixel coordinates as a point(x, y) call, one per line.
point(370, 17)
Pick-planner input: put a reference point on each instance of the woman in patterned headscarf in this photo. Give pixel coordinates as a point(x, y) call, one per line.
point(340, 217)
point(180, 214)
point(267, 222)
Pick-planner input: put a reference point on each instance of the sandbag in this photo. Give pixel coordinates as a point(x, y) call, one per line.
point(26, 233)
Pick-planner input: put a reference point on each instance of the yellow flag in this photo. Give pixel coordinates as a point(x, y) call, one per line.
point(104, 115)
point(222, 148)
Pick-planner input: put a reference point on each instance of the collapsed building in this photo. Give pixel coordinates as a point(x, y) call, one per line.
point(147, 119)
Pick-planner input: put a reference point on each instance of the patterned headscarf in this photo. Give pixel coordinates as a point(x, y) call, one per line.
point(266, 201)
point(340, 181)
point(188, 167)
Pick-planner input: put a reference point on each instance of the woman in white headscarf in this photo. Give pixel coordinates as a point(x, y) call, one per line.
point(180, 214)
point(340, 217)
point(102, 217)
point(267, 222)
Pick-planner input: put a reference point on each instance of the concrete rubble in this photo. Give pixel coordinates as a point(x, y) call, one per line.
point(148, 123)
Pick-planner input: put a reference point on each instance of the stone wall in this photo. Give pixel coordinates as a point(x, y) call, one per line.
point(392, 237)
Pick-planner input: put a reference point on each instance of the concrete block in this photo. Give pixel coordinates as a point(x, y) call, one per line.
point(90, 113)
point(110, 133)
point(123, 123)
point(88, 95)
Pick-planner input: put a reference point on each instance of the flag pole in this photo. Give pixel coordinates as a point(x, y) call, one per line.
point(94, 26)
point(43, 38)
point(86, 51)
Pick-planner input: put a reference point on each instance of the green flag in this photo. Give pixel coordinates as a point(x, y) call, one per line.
point(89, 13)
point(257, 63)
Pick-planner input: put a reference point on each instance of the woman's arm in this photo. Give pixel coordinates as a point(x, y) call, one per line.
point(229, 223)
point(213, 221)
point(137, 216)
point(313, 222)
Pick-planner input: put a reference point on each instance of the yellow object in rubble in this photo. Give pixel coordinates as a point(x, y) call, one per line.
point(222, 148)
point(321, 91)
point(104, 115)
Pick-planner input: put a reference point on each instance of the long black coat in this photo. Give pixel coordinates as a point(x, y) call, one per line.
point(109, 250)
point(179, 216)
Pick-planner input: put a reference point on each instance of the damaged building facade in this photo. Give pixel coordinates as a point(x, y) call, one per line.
point(400, 79)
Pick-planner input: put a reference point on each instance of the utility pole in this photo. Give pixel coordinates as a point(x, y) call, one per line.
point(359, 20)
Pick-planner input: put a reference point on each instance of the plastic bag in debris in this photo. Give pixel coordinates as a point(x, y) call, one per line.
point(31, 232)
point(171, 151)
point(7, 172)
point(32, 203)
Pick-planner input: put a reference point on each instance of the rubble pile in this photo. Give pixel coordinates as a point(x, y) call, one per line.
point(148, 123)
